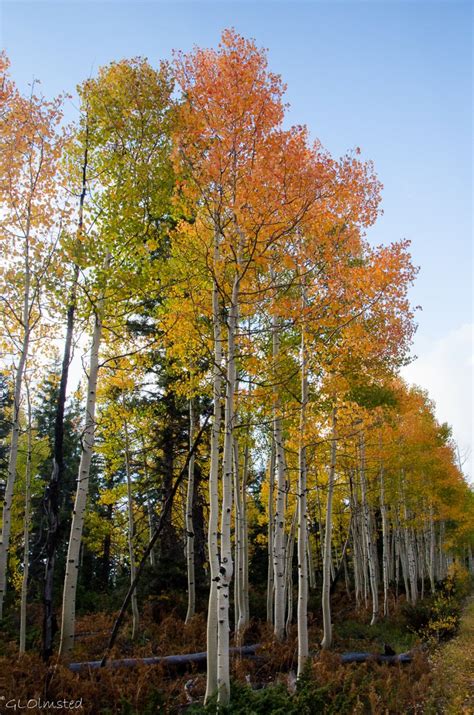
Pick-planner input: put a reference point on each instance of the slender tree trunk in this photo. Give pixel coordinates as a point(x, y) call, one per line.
point(131, 529)
point(151, 530)
point(156, 534)
point(309, 554)
point(238, 605)
point(397, 555)
point(15, 434)
point(289, 554)
point(149, 506)
point(319, 521)
point(410, 555)
point(72, 564)
point(226, 565)
point(52, 494)
point(368, 534)
point(279, 519)
point(244, 566)
point(404, 562)
point(385, 535)
point(346, 577)
point(356, 559)
point(441, 554)
point(189, 522)
point(270, 579)
point(432, 567)
point(409, 548)
point(26, 530)
point(419, 540)
point(303, 649)
point(326, 597)
point(51, 499)
point(213, 544)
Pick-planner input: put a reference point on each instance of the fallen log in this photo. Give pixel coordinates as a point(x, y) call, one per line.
point(248, 651)
point(169, 660)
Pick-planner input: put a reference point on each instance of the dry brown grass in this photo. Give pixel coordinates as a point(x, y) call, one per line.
point(453, 671)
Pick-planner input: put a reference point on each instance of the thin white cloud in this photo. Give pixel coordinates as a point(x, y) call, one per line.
point(445, 368)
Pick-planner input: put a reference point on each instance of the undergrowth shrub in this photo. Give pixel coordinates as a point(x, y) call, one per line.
point(330, 688)
point(436, 618)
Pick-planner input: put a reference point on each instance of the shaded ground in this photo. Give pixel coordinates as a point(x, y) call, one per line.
point(430, 685)
point(452, 690)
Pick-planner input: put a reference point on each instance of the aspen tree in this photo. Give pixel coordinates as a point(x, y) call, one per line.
point(26, 528)
point(226, 564)
point(149, 506)
point(77, 523)
point(52, 493)
point(245, 611)
point(128, 118)
point(226, 162)
point(368, 531)
point(289, 556)
point(432, 567)
point(279, 517)
point(270, 528)
point(31, 210)
point(213, 546)
point(303, 648)
point(241, 608)
point(189, 521)
point(385, 534)
point(238, 604)
point(131, 521)
point(326, 603)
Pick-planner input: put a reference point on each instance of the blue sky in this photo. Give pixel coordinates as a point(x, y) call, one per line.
point(394, 78)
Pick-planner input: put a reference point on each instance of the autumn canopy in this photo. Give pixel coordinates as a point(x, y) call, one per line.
point(241, 404)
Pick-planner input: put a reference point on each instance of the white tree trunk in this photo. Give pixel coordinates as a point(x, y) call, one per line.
point(238, 579)
point(77, 524)
point(244, 552)
point(189, 521)
point(432, 559)
point(420, 560)
point(289, 553)
point(319, 521)
point(405, 570)
point(368, 534)
point(441, 554)
point(398, 555)
point(412, 572)
point(226, 565)
point(131, 530)
point(271, 509)
point(149, 507)
point(151, 531)
point(26, 531)
point(15, 434)
point(356, 545)
point(309, 554)
point(385, 537)
point(279, 520)
point(410, 557)
point(302, 618)
point(326, 597)
point(213, 543)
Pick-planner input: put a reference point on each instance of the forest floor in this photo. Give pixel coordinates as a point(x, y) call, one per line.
point(452, 690)
point(438, 681)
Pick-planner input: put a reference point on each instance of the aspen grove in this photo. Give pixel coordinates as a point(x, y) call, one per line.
point(242, 446)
